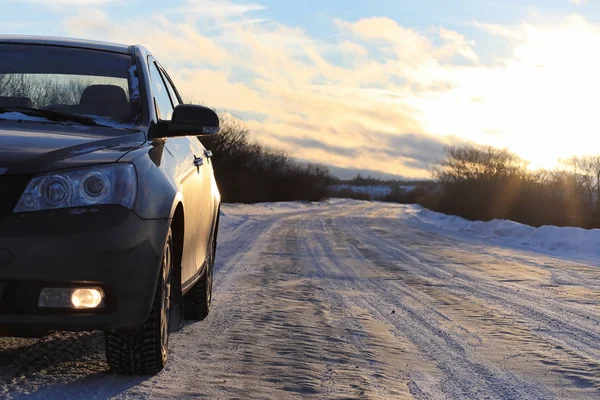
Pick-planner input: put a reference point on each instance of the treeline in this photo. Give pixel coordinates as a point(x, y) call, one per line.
point(368, 188)
point(485, 183)
point(403, 192)
point(410, 192)
point(248, 172)
point(49, 90)
point(360, 180)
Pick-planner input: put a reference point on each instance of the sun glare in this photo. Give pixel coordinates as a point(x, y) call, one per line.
point(541, 103)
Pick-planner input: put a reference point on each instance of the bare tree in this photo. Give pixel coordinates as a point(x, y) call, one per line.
point(463, 163)
point(484, 183)
point(249, 172)
point(587, 173)
point(48, 90)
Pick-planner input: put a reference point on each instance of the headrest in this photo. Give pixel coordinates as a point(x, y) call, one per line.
point(105, 101)
point(6, 101)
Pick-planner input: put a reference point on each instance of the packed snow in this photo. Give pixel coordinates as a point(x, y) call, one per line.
point(350, 299)
point(569, 242)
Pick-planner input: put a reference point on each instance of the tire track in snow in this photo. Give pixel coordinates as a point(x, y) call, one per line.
point(458, 372)
point(579, 367)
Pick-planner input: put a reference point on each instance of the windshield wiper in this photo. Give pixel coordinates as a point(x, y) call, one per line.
point(51, 115)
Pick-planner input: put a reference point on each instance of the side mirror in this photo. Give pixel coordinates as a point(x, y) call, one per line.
point(192, 120)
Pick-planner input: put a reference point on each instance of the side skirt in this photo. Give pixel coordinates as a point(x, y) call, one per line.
point(185, 287)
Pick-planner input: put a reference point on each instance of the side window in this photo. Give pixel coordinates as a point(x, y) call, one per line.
point(170, 88)
point(161, 94)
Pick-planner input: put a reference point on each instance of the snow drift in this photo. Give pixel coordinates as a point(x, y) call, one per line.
point(561, 241)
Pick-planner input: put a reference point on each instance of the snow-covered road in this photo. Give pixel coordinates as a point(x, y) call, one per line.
point(351, 299)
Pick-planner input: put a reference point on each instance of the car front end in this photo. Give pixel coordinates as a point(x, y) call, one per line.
point(73, 253)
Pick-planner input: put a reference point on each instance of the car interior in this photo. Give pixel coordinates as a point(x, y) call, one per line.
point(102, 100)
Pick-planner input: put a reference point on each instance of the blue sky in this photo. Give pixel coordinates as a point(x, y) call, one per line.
point(380, 85)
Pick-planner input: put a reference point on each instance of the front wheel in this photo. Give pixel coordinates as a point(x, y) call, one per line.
point(144, 350)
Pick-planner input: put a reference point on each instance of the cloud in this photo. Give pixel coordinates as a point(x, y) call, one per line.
point(71, 2)
point(353, 49)
point(316, 109)
point(416, 150)
point(377, 95)
point(498, 30)
point(180, 41)
point(216, 8)
point(407, 43)
point(541, 98)
point(579, 2)
point(312, 143)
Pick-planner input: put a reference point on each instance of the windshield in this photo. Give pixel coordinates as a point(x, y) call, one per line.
point(90, 83)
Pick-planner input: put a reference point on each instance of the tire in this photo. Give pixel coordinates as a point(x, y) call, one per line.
point(144, 350)
point(198, 299)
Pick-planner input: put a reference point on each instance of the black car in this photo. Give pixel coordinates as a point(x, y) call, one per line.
point(109, 209)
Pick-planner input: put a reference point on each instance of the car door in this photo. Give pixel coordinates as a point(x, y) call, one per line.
point(208, 195)
point(205, 212)
point(186, 173)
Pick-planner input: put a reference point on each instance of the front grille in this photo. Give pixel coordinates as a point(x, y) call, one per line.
point(11, 188)
point(19, 298)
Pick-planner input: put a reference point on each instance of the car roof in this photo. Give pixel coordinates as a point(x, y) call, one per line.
point(66, 42)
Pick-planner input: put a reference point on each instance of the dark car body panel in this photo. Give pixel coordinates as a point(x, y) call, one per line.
point(121, 254)
point(65, 42)
point(28, 148)
point(111, 246)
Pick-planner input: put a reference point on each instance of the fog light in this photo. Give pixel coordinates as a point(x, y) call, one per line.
point(87, 298)
point(79, 298)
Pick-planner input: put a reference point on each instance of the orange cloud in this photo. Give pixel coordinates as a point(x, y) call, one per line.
point(389, 87)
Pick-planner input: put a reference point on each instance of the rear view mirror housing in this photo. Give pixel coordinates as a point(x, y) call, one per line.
point(191, 120)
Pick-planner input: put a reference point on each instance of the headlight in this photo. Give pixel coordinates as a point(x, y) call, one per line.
point(111, 184)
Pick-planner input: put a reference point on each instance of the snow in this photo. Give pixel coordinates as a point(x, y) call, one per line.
point(17, 116)
point(352, 299)
point(110, 122)
point(567, 242)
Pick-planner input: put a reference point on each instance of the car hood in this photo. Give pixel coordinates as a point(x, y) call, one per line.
point(28, 148)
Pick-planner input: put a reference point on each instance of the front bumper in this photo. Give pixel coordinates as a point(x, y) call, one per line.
point(108, 246)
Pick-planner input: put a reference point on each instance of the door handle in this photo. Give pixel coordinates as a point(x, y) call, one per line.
point(198, 161)
point(207, 153)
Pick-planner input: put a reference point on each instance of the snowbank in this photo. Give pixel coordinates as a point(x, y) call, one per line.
point(562, 241)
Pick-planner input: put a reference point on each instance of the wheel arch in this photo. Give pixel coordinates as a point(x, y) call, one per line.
point(178, 231)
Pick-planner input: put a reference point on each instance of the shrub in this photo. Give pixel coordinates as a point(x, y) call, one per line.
point(348, 193)
point(247, 172)
point(484, 183)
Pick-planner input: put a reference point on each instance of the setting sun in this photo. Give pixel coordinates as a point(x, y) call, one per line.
point(540, 102)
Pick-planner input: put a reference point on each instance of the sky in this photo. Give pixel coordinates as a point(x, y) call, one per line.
point(378, 86)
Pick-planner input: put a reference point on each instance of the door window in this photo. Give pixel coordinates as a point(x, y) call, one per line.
point(164, 107)
point(170, 88)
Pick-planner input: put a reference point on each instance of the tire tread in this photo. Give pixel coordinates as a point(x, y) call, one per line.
point(138, 351)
